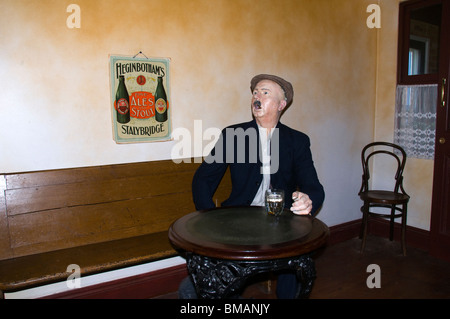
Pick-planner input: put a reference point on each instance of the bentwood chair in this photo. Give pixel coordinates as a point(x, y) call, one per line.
point(396, 200)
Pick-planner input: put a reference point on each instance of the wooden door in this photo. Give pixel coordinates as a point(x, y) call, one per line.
point(440, 212)
point(424, 58)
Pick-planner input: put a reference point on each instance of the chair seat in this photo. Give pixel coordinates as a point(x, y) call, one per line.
point(384, 197)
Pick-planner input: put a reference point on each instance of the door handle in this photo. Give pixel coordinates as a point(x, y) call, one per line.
point(444, 81)
point(442, 140)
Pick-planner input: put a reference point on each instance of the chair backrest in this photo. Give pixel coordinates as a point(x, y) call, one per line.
point(379, 148)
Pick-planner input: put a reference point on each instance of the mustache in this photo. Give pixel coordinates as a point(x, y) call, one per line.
point(257, 104)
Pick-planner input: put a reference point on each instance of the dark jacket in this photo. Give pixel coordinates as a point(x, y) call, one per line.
point(240, 151)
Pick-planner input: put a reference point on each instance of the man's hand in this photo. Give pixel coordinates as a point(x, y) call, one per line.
point(301, 205)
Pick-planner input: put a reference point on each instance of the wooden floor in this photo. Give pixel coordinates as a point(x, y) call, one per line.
point(342, 273)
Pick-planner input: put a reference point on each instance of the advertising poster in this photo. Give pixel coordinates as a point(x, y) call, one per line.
point(140, 99)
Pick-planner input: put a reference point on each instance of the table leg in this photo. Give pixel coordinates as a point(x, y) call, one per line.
point(220, 278)
point(306, 273)
point(215, 278)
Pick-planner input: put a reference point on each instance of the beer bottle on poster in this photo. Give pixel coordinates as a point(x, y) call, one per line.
point(160, 101)
point(122, 102)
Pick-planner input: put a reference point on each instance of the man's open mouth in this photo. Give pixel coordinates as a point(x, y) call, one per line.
point(257, 104)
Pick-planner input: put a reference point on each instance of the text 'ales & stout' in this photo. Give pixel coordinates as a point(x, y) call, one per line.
point(122, 102)
point(160, 102)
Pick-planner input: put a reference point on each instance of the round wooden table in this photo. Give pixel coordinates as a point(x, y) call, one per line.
point(224, 246)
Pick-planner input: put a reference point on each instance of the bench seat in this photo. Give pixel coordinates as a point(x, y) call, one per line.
point(49, 267)
point(100, 218)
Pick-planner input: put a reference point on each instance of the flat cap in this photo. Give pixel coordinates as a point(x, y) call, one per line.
point(285, 85)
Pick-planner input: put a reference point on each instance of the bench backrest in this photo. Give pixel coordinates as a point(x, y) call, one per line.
point(56, 209)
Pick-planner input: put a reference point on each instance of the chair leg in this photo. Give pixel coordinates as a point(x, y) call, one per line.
point(363, 232)
point(391, 224)
point(404, 229)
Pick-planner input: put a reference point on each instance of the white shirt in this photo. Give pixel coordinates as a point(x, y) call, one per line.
point(264, 138)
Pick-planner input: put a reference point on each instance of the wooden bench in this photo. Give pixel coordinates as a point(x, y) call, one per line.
point(100, 218)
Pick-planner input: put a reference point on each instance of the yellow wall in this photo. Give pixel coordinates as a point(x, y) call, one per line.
point(55, 105)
